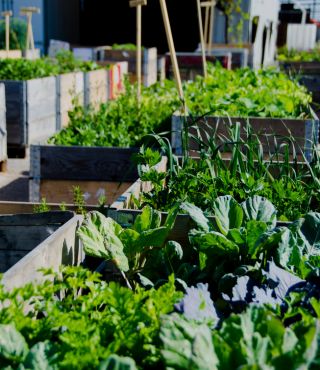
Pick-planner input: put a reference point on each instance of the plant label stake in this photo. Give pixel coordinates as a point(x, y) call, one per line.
point(138, 4)
point(28, 11)
point(203, 47)
point(209, 16)
point(172, 50)
point(7, 15)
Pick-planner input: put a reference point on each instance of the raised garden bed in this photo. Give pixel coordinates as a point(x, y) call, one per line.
point(190, 64)
point(149, 62)
point(33, 241)
point(308, 74)
point(304, 133)
point(31, 111)
point(55, 170)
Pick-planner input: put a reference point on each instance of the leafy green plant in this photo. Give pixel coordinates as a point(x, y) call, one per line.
point(233, 164)
point(123, 122)
point(292, 55)
point(247, 93)
point(77, 320)
point(42, 207)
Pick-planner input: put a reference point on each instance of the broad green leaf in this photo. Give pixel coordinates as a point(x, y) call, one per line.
point(311, 229)
point(236, 235)
point(197, 215)
point(174, 250)
point(216, 243)
point(260, 209)
point(254, 231)
point(148, 219)
point(228, 214)
point(115, 362)
point(99, 236)
point(41, 357)
point(187, 345)
point(267, 241)
point(12, 344)
point(153, 237)
point(129, 239)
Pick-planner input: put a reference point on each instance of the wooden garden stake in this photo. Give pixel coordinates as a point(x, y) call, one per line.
point(173, 54)
point(7, 15)
point(211, 26)
point(209, 16)
point(203, 47)
point(28, 11)
point(138, 4)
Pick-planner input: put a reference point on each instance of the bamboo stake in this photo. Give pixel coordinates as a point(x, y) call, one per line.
point(7, 15)
point(211, 26)
point(138, 4)
point(172, 50)
point(203, 48)
point(139, 26)
point(206, 26)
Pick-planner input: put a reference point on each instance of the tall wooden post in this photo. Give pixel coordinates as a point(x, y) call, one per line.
point(28, 11)
point(203, 47)
point(209, 17)
point(172, 50)
point(138, 4)
point(7, 15)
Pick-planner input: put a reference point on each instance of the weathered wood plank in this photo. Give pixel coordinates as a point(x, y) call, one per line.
point(16, 111)
point(3, 125)
point(61, 248)
point(62, 190)
point(36, 219)
point(24, 238)
point(95, 87)
point(86, 163)
point(70, 90)
point(40, 130)
point(304, 132)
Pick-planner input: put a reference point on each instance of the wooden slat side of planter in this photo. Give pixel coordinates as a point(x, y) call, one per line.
point(3, 126)
point(304, 132)
point(149, 62)
point(41, 109)
point(19, 234)
point(12, 208)
point(10, 54)
point(301, 68)
point(55, 169)
point(60, 248)
point(70, 91)
point(16, 112)
point(95, 87)
point(30, 111)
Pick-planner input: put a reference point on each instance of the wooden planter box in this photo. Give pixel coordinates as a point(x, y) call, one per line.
point(122, 210)
point(3, 129)
point(95, 87)
point(308, 73)
point(55, 169)
point(305, 132)
point(191, 65)
point(70, 91)
point(149, 62)
point(33, 241)
point(11, 54)
point(30, 111)
point(116, 75)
